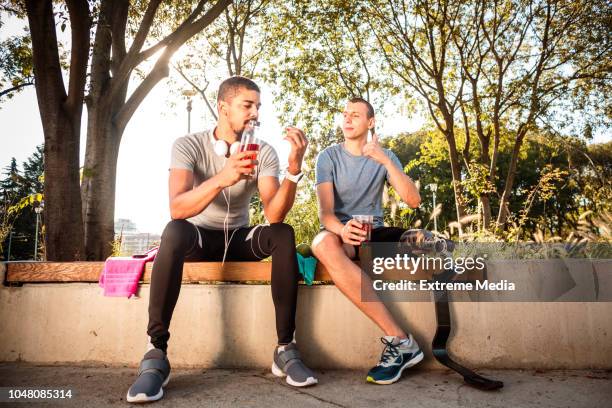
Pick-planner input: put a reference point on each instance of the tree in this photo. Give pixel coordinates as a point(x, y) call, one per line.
point(85, 211)
point(108, 105)
point(425, 158)
point(20, 193)
point(60, 111)
point(9, 187)
point(235, 41)
point(486, 69)
point(566, 62)
point(319, 65)
point(416, 43)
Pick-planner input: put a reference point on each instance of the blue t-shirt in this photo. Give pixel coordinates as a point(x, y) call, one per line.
point(358, 182)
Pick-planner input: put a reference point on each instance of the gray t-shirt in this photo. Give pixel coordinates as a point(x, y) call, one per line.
point(358, 182)
point(195, 152)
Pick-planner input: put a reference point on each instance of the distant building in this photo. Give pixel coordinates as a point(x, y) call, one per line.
point(133, 241)
point(126, 225)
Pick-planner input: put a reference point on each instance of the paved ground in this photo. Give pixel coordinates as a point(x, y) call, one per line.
point(102, 387)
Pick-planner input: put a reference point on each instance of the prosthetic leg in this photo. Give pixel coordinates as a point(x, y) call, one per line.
point(440, 340)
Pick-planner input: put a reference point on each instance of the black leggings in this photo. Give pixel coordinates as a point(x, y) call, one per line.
point(183, 241)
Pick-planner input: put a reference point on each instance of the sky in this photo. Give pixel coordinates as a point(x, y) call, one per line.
point(144, 155)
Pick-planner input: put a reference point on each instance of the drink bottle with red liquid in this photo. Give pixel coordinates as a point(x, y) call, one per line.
point(250, 141)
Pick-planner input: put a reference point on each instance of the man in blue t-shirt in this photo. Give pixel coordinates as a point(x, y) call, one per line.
point(350, 178)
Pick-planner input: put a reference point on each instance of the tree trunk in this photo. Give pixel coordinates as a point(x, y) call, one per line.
point(484, 139)
point(485, 199)
point(61, 120)
point(456, 172)
point(485, 202)
point(502, 216)
point(64, 228)
point(99, 180)
point(110, 110)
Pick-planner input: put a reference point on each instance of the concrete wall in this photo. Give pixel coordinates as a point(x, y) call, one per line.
point(233, 326)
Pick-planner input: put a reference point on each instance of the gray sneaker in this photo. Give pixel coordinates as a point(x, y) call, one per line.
point(288, 363)
point(153, 374)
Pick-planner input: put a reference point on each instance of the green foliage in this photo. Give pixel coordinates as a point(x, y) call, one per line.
point(304, 217)
point(562, 178)
point(425, 157)
point(16, 70)
point(28, 201)
point(500, 69)
point(20, 193)
point(320, 58)
point(544, 190)
point(477, 182)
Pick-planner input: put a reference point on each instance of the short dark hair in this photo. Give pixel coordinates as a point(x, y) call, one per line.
point(229, 88)
point(367, 104)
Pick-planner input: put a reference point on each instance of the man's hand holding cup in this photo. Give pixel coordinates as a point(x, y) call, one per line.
point(238, 166)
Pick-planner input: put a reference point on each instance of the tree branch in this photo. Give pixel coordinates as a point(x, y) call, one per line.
point(118, 25)
point(101, 54)
point(80, 24)
point(201, 91)
point(161, 69)
point(45, 56)
point(135, 57)
point(15, 88)
point(145, 26)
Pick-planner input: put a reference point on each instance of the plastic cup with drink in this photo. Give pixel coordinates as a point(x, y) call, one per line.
point(366, 222)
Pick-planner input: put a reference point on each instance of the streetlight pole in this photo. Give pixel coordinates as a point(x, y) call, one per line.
point(434, 187)
point(189, 93)
point(38, 209)
point(8, 258)
point(189, 116)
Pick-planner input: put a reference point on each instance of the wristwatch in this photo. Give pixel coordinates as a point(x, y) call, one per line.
point(294, 177)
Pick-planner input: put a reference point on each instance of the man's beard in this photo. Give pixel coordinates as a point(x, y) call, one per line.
point(239, 132)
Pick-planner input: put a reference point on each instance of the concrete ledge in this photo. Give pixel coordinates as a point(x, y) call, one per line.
point(233, 326)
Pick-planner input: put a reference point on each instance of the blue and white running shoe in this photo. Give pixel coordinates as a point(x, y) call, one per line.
point(396, 357)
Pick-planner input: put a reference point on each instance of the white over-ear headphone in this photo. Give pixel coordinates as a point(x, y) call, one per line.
point(220, 146)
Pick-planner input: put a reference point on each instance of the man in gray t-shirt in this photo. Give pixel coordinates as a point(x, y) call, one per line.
point(350, 178)
point(210, 187)
point(195, 153)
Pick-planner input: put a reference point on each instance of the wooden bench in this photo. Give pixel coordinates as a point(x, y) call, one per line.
point(193, 272)
point(31, 272)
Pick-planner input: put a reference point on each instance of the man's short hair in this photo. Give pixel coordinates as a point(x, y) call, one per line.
point(230, 87)
point(367, 104)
